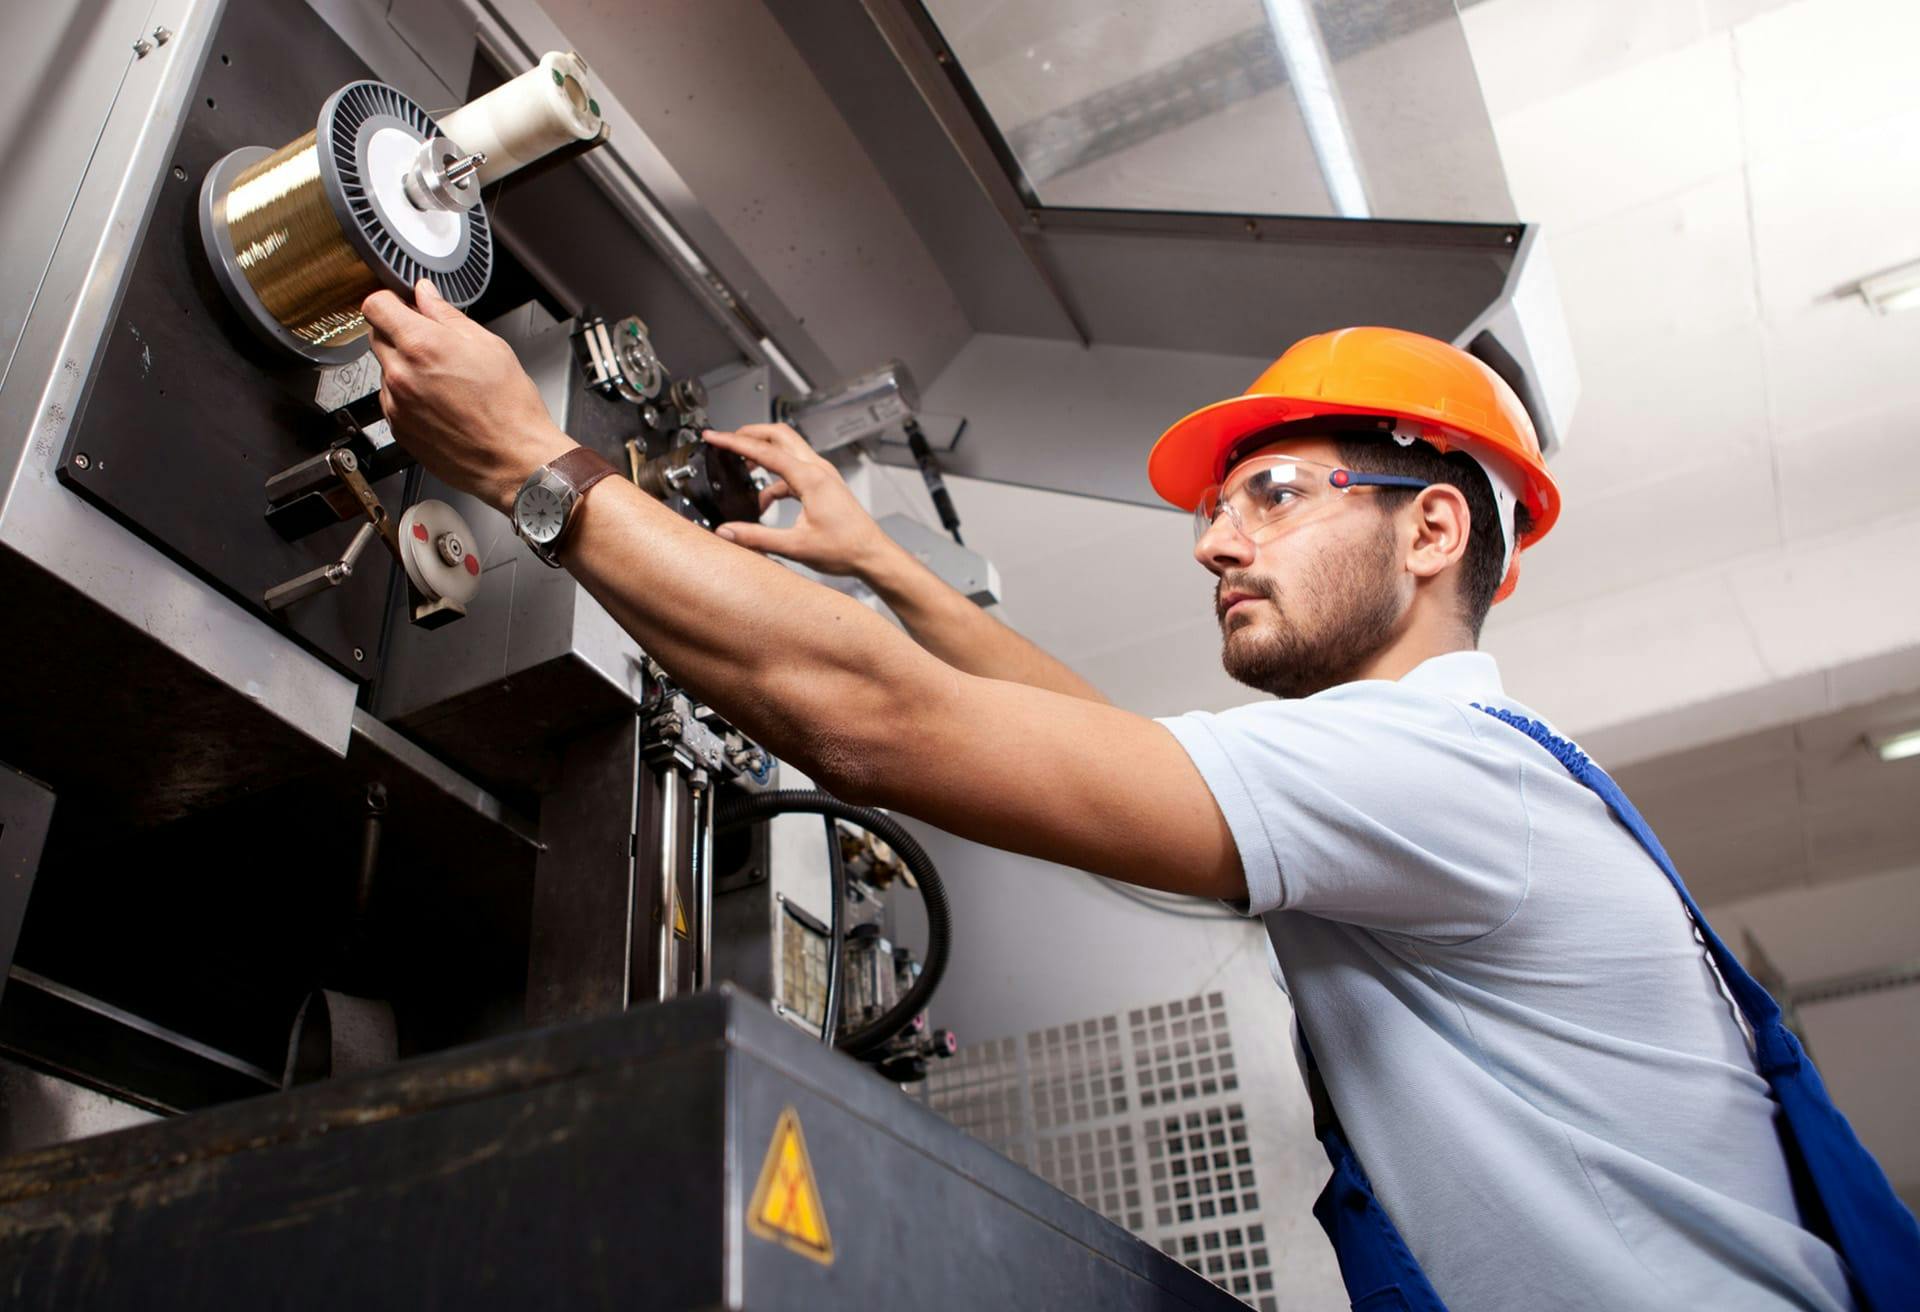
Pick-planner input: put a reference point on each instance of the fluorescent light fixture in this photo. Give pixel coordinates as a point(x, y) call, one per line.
point(1897, 289)
point(1897, 746)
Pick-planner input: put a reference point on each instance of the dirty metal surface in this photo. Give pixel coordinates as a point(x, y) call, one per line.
point(602, 1164)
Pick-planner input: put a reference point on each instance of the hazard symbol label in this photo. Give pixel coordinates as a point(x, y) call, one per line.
point(786, 1203)
point(680, 918)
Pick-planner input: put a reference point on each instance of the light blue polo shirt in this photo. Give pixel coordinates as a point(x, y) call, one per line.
point(1523, 1038)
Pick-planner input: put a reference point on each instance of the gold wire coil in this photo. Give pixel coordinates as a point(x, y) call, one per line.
point(292, 251)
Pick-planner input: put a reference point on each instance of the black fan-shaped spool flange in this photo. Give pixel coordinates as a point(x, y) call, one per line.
point(347, 123)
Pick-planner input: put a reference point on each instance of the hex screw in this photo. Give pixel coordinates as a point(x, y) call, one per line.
point(162, 35)
point(142, 48)
point(81, 460)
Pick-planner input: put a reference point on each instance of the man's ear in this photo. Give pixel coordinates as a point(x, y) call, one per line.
point(1441, 524)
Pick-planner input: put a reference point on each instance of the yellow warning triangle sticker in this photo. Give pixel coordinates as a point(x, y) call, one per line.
point(786, 1203)
point(680, 918)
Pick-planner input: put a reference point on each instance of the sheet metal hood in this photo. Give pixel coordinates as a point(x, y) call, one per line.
point(1095, 324)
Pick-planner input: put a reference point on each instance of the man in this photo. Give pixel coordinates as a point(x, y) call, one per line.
point(1514, 1021)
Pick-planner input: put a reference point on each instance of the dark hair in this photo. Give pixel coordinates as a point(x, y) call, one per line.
point(1480, 568)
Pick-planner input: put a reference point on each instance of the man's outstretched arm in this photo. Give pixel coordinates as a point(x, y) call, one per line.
point(835, 535)
point(813, 675)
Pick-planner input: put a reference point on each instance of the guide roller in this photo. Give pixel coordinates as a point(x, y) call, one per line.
point(437, 551)
point(379, 194)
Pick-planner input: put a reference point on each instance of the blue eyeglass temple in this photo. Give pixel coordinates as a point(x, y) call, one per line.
point(1352, 478)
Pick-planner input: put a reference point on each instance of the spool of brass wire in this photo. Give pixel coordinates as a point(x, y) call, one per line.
point(299, 236)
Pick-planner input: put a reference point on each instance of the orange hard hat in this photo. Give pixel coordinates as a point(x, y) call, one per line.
point(1435, 390)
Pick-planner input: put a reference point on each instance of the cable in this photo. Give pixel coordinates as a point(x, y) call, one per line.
point(930, 474)
point(836, 935)
point(872, 1037)
point(1185, 908)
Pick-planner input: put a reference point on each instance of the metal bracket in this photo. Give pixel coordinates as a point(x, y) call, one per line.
point(332, 485)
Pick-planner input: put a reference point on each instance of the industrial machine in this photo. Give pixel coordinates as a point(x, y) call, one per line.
point(311, 771)
point(530, 816)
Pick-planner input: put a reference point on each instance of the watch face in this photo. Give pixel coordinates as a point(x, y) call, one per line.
point(540, 514)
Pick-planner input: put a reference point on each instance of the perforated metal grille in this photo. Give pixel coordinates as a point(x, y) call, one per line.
point(1182, 1051)
point(1135, 1115)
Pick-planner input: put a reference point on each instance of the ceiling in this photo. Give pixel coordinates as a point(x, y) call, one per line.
point(1793, 807)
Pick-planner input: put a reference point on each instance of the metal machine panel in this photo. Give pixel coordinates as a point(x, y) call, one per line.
point(135, 621)
point(612, 1160)
point(186, 413)
point(537, 658)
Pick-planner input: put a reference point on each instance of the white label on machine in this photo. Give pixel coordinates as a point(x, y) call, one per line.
point(343, 384)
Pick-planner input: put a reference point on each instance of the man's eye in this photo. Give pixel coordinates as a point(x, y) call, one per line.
point(1275, 496)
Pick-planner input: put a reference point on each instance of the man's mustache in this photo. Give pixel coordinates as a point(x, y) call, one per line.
point(1247, 583)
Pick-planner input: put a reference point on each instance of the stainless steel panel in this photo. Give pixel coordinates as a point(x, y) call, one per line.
point(45, 127)
point(781, 184)
point(41, 521)
point(1070, 419)
point(870, 58)
point(1253, 286)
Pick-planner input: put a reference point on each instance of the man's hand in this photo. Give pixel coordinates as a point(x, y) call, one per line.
point(834, 534)
point(457, 398)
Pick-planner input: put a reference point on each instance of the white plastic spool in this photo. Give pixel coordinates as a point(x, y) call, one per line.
point(436, 548)
point(549, 106)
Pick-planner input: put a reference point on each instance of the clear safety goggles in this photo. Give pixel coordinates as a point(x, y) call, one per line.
point(1264, 495)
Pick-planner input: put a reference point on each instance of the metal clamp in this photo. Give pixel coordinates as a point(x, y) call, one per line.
point(334, 481)
point(676, 736)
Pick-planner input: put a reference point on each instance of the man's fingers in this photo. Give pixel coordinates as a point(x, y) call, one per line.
point(756, 537)
point(784, 437)
point(388, 315)
point(772, 492)
point(433, 305)
point(784, 464)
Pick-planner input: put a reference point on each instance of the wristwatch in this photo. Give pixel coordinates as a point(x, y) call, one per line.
point(547, 503)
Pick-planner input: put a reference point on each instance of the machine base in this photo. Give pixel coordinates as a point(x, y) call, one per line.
point(609, 1163)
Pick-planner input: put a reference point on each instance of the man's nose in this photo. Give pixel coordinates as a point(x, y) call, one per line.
point(1223, 547)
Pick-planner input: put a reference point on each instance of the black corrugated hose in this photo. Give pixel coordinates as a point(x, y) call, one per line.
point(870, 1038)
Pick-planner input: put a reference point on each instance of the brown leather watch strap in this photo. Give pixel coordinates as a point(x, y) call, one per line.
point(581, 467)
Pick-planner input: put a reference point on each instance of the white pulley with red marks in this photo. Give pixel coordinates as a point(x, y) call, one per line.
point(437, 550)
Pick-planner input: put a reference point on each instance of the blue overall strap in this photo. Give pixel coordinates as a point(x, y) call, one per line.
point(1865, 1220)
point(1379, 1270)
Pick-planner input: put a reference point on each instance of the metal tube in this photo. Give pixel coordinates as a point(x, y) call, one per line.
point(672, 788)
point(1297, 33)
point(701, 919)
point(370, 833)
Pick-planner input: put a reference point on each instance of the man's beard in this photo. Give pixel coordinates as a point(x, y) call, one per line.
point(1358, 612)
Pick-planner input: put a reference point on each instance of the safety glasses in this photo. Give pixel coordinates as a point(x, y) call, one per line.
point(1264, 495)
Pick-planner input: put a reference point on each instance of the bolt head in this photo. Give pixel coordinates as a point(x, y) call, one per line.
point(452, 549)
point(359, 653)
point(82, 461)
